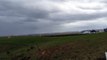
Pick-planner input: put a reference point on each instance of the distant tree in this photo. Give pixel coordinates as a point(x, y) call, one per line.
point(93, 31)
point(105, 30)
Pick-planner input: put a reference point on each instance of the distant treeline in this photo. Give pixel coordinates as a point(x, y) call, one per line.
point(62, 35)
point(74, 33)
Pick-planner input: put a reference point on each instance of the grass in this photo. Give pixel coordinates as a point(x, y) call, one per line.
point(80, 47)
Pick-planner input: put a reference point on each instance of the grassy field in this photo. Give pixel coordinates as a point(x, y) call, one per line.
point(80, 47)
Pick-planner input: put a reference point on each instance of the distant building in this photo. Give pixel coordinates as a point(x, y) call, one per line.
point(93, 31)
point(86, 32)
point(100, 30)
point(9, 37)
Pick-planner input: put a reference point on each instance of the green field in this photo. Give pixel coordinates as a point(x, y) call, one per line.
point(80, 47)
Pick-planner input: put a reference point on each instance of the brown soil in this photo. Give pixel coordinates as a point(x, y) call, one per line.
point(71, 51)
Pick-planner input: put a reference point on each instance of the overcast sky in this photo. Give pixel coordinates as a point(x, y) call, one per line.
point(46, 16)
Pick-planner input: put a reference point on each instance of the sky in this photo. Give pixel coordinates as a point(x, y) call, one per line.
point(19, 17)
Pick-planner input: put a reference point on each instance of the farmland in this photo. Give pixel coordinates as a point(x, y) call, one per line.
point(77, 47)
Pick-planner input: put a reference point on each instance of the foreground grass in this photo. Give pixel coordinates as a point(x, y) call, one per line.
point(82, 47)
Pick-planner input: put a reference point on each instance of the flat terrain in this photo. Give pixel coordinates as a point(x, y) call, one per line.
point(80, 47)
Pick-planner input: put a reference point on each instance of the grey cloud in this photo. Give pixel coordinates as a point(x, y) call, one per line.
point(10, 9)
point(17, 18)
point(78, 17)
point(43, 14)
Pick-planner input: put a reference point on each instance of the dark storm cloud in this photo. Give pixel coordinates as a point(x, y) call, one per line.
point(34, 16)
point(19, 11)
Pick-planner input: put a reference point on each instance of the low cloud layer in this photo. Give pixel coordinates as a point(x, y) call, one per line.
point(46, 16)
